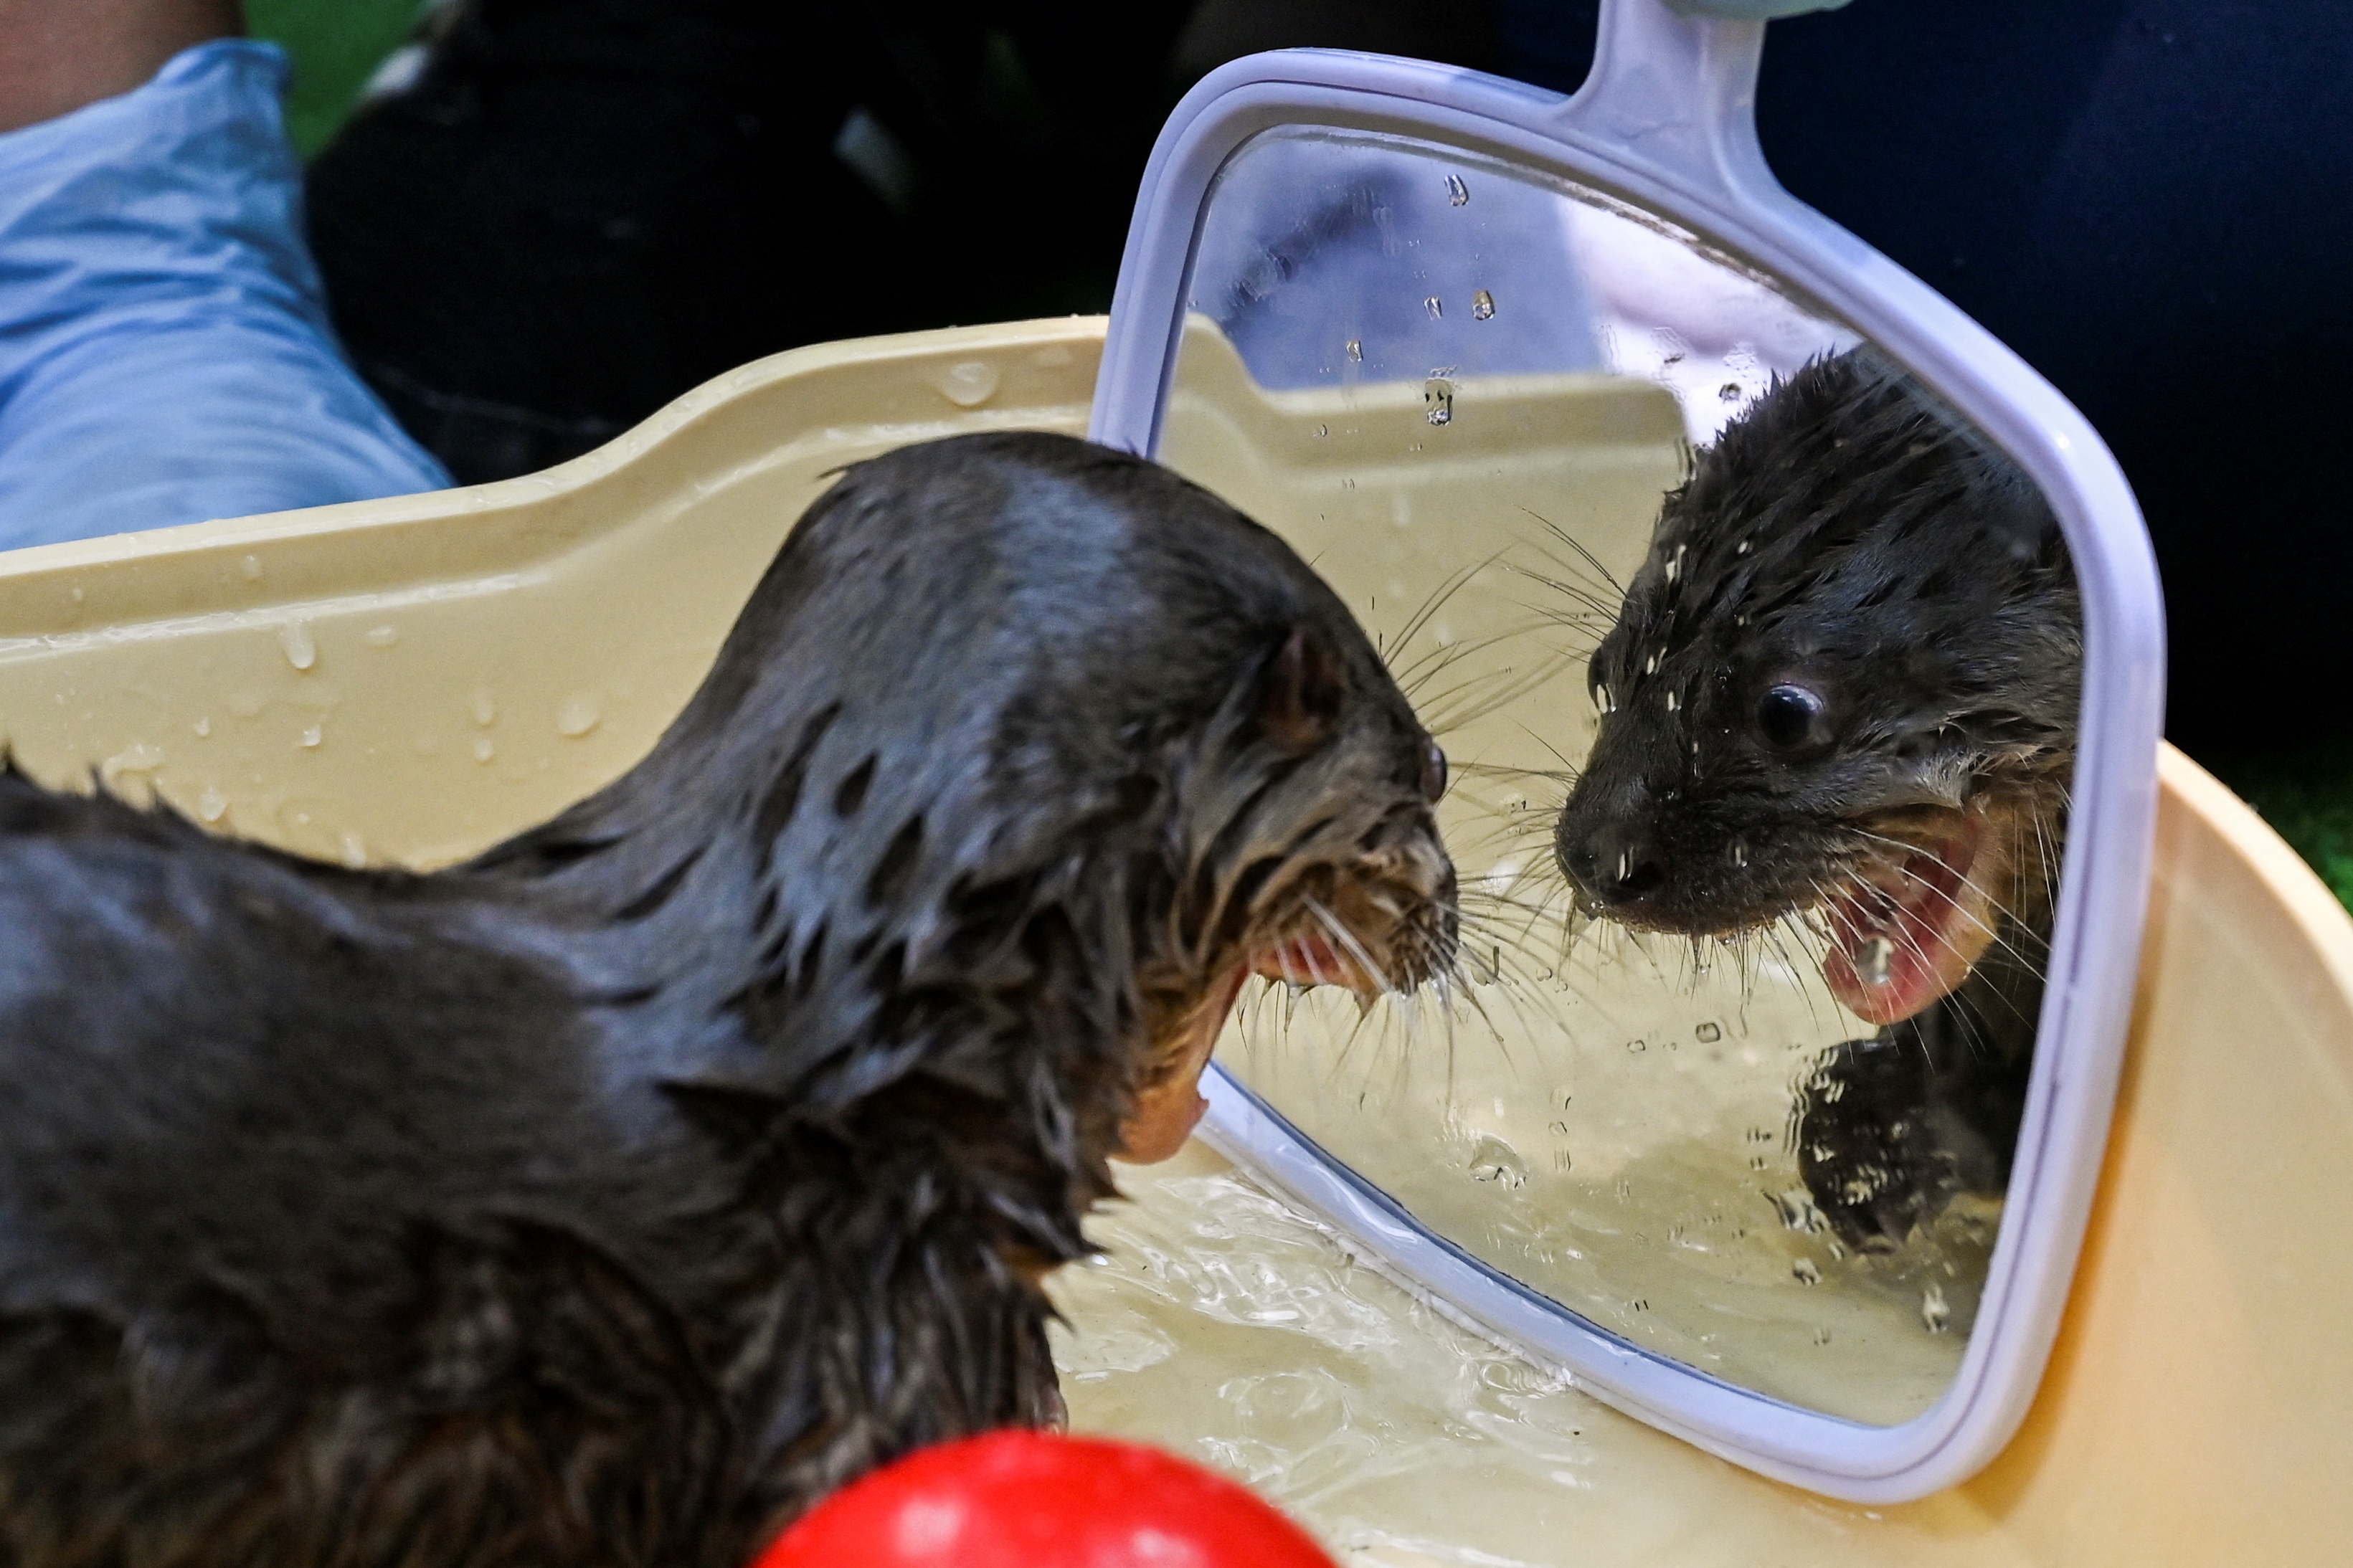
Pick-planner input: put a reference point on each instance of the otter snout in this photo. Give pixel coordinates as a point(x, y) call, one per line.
point(1613, 858)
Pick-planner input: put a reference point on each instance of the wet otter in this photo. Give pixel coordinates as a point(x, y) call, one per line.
point(606, 1199)
point(1843, 684)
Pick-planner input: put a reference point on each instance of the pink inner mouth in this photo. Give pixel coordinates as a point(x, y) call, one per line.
point(1904, 934)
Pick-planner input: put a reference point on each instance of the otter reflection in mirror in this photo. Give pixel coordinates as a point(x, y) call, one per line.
point(1842, 688)
point(607, 1199)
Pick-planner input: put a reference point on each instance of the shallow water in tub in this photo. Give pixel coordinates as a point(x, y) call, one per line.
point(1224, 1324)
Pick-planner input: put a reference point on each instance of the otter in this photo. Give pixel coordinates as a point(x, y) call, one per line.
point(608, 1198)
point(1844, 686)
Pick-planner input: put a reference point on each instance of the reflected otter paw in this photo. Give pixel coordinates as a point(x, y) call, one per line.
point(1868, 1143)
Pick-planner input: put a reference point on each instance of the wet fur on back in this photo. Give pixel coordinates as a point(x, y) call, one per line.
point(610, 1199)
point(1855, 639)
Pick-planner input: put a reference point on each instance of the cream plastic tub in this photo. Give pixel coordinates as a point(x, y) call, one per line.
point(408, 680)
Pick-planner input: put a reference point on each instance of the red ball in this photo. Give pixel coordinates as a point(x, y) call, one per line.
point(1028, 1500)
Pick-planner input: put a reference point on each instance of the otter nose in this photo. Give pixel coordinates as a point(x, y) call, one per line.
point(1615, 863)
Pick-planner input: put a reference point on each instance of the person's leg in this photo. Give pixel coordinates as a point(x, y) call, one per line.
point(58, 55)
point(164, 351)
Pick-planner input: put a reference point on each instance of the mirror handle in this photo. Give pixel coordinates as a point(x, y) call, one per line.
point(1678, 90)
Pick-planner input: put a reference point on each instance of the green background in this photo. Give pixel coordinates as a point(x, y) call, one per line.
point(336, 45)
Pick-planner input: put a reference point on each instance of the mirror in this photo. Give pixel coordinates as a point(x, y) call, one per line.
point(1758, 667)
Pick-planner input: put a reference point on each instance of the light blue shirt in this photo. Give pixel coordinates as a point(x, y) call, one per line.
point(166, 354)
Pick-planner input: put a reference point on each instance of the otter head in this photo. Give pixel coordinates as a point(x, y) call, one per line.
point(1024, 754)
point(1310, 852)
point(1844, 682)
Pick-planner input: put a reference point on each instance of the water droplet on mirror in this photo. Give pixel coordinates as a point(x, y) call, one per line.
point(1493, 1160)
point(294, 636)
point(1457, 193)
point(1437, 401)
point(1934, 1313)
point(1356, 350)
point(1436, 309)
point(577, 717)
point(211, 805)
point(1483, 306)
point(1796, 1210)
point(1806, 1271)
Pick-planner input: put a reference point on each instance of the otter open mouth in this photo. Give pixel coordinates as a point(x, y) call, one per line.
point(1168, 1109)
point(1906, 929)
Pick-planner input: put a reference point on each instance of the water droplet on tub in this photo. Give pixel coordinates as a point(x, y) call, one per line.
point(1323, 430)
point(78, 596)
point(1438, 399)
point(382, 637)
point(1357, 350)
point(1708, 1034)
point(203, 727)
point(212, 806)
point(577, 717)
point(1934, 1313)
point(1483, 306)
point(354, 851)
point(1729, 392)
point(312, 735)
point(484, 748)
point(1806, 1271)
point(479, 704)
point(968, 383)
point(1637, 1046)
point(1457, 193)
point(251, 566)
point(294, 636)
point(1437, 310)
point(1493, 1160)
point(139, 758)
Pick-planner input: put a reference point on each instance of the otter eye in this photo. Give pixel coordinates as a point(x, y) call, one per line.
point(1433, 771)
point(1793, 718)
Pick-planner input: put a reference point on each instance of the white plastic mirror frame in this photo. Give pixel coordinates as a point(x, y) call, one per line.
point(1666, 122)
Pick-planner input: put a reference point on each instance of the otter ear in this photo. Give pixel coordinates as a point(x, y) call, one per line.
point(1301, 693)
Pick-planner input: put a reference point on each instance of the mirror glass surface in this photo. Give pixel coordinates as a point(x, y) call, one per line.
point(1734, 1055)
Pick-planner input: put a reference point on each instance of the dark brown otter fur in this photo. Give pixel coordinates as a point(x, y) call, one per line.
point(610, 1199)
point(1844, 683)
